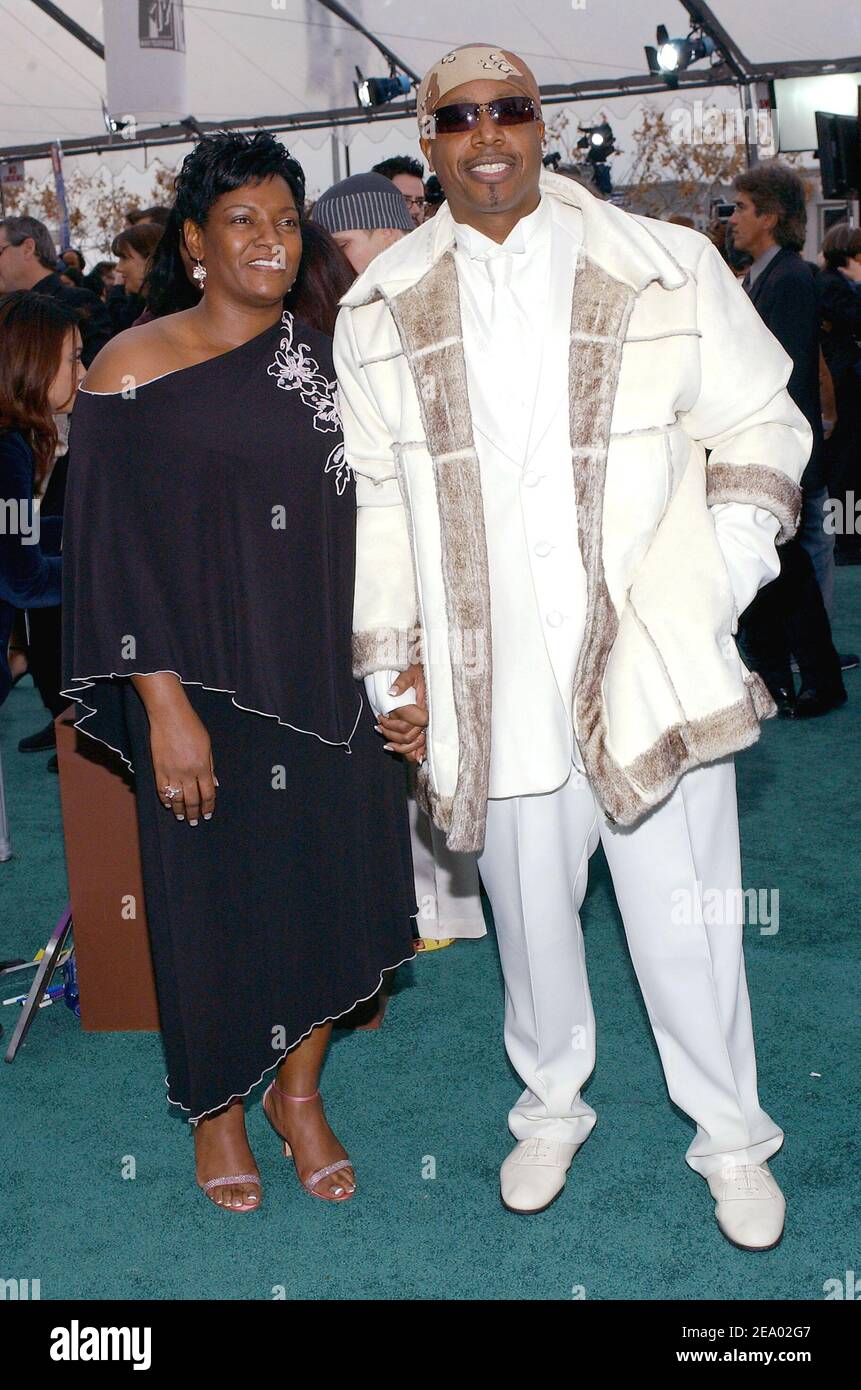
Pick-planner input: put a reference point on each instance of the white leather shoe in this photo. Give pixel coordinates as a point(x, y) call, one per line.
point(749, 1206)
point(533, 1174)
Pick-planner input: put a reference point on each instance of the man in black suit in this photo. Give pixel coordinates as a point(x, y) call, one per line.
point(788, 617)
point(28, 261)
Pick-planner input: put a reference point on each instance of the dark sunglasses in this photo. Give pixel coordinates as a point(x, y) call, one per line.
point(465, 115)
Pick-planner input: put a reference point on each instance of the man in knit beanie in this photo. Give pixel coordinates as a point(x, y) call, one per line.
point(365, 214)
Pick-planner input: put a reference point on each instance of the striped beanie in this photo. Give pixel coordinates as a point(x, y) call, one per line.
point(362, 202)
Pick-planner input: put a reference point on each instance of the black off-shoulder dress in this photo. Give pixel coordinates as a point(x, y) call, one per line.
point(210, 531)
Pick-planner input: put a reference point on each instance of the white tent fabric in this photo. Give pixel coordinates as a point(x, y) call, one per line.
point(249, 58)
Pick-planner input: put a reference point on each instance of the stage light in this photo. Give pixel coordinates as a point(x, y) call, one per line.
point(377, 91)
point(669, 56)
point(124, 126)
point(598, 141)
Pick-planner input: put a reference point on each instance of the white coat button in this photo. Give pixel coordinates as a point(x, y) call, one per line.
point(555, 619)
point(531, 479)
point(542, 548)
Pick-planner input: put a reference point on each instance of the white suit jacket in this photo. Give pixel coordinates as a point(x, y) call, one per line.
point(667, 360)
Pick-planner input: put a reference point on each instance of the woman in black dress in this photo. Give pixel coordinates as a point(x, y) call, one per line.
point(208, 575)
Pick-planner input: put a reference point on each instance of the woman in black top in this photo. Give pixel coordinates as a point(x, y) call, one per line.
point(40, 370)
point(208, 577)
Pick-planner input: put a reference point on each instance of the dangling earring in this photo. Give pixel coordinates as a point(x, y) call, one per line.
point(199, 273)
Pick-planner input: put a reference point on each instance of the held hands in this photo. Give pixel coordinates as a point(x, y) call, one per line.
point(182, 761)
point(404, 728)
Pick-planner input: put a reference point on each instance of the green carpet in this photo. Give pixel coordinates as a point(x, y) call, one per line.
point(433, 1083)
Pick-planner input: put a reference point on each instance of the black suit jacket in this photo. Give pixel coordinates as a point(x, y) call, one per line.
point(840, 310)
point(93, 317)
point(786, 299)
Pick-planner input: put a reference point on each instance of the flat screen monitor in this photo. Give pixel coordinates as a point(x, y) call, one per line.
point(839, 144)
point(797, 99)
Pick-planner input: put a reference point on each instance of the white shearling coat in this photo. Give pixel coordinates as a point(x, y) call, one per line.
point(668, 359)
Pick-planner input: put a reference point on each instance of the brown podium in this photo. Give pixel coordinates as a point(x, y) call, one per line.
point(100, 827)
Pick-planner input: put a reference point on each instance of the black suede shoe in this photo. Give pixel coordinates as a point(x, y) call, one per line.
point(811, 703)
point(37, 743)
point(849, 661)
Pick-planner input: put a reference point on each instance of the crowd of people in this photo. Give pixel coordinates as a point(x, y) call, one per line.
point(212, 372)
point(812, 307)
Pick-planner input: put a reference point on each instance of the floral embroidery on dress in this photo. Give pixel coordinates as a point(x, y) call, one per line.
point(296, 370)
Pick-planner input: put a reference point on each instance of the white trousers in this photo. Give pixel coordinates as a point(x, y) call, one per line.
point(448, 892)
point(534, 866)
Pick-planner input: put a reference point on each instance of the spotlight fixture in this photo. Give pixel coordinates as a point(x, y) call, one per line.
point(124, 126)
point(377, 91)
point(670, 56)
point(598, 143)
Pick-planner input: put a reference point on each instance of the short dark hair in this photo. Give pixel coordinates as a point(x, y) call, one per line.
point(433, 191)
point(841, 242)
point(18, 229)
point(95, 279)
point(227, 160)
point(157, 215)
point(774, 187)
point(400, 164)
point(143, 237)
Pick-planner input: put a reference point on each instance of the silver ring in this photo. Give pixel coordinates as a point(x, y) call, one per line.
point(171, 792)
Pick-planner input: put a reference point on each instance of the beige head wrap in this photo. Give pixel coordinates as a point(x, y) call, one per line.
point(474, 60)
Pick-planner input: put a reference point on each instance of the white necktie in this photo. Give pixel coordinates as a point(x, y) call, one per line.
point(499, 271)
point(507, 338)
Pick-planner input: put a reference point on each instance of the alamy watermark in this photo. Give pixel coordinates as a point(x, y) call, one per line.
point(842, 515)
point(722, 907)
point(18, 517)
point(699, 124)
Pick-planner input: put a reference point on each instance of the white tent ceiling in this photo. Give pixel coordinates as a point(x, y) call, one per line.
point(250, 58)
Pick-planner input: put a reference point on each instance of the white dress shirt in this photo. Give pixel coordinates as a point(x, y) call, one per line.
point(515, 310)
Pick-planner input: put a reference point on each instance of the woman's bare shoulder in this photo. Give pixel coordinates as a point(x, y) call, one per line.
point(135, 357)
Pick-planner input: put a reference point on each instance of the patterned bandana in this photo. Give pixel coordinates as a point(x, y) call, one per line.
point(474, 60)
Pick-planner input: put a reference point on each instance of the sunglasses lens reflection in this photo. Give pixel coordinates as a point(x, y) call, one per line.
point(464, 115)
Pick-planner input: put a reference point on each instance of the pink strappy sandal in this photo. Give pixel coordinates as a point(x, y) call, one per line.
point(252, 1178)
point(311, 1183)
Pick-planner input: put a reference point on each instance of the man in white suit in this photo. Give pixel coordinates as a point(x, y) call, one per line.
point(529, 385)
